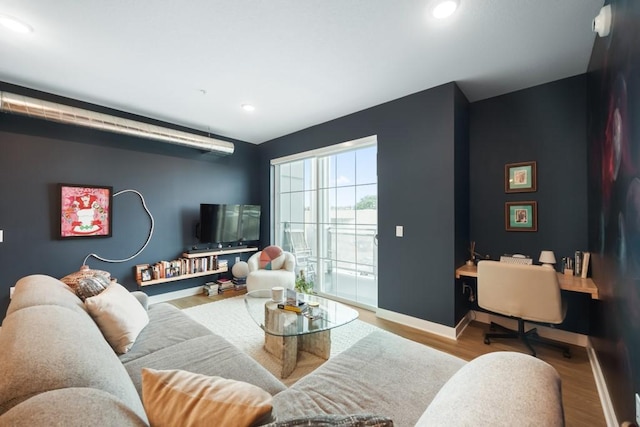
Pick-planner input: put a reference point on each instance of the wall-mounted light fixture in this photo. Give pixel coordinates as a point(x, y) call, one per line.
point(37, 108)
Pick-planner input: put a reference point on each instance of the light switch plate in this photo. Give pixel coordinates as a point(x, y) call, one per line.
point(1, 236)
point(637, 409)
point(399, 231)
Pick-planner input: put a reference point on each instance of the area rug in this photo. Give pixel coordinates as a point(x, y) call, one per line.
point(229, 318)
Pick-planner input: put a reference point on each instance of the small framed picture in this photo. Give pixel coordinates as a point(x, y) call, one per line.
point(521, 216)
point(85, 211)
point(146, 274)
point(520, 177)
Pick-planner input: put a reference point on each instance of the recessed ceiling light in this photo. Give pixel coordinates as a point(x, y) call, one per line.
point(444, 9)
point(14, 24)
point(248, 107)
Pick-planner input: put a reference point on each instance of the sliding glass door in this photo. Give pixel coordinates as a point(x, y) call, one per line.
point(325, 212)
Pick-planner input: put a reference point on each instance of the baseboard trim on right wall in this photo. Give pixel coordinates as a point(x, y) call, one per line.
point(601, 385)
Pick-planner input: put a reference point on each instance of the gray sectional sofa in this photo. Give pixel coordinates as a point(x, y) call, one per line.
point(57, 369)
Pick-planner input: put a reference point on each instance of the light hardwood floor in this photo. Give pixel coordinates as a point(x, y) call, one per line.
point(579, 394)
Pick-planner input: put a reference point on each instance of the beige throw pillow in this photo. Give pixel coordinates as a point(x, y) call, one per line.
point(119, 316)
point(176, 397)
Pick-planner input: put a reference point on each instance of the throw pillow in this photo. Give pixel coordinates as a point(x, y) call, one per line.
point(356, 420)
point(71, 280)
point(91, 286)
point(176, 397)
point(119, 316)
point(271, 258)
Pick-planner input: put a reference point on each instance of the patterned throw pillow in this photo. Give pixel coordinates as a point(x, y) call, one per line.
point(72, 279)
point(87, 287)
point(272, 258)
point(356, 420)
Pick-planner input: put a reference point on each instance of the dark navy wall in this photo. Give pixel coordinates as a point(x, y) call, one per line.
point(36, 155)
point(546, 124)
point(417, 166)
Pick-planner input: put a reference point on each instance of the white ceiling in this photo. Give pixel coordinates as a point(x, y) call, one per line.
point(300, 62)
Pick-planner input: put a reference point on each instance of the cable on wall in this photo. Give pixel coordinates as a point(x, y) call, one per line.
point(144, 205)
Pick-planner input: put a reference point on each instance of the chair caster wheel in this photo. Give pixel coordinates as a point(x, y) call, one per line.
point(487, 341)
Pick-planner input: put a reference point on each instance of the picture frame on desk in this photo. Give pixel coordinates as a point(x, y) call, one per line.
point(520, 177)
point(521, 216)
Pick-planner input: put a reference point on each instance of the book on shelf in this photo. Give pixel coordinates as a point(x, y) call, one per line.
point(585, 264)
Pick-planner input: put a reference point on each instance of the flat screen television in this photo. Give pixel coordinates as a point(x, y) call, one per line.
point(229, 224)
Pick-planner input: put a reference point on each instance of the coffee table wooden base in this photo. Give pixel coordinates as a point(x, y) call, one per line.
point(286, 348)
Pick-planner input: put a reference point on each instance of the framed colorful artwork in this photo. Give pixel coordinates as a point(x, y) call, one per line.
point(521, 216)
point(85, 211)
point(520, 177)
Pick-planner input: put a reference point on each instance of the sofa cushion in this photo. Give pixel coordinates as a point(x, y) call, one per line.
point(272, 258)
point(49, 347)
point(39, 289)
point(72, 407)
point(167, 326)
point(119, 315)
point(177, 397)
point(208, 355)
point(370, 377)
point(499, 389)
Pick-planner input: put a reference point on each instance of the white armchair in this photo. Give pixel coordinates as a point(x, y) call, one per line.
point(279, 271)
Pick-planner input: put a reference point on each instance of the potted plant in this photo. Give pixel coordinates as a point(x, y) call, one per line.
point(302, 284)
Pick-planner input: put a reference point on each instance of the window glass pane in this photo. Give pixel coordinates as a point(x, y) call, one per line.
point(345, 211)
point(366, 249)
point(285, 207)
point(366, 165)
point(297, 176)
point(309, 197)
point(346, 169)
point(297, 206)
point(344, 236)
point(285, 177)
point(328, 206)
point(308, 174)
point(367, 204)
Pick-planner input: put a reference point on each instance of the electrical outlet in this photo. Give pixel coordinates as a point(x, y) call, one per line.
point(1, 236)
point(637, 409)
point(11, 289)
point(237, 259)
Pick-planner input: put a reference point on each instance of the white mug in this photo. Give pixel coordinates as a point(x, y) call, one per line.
point(277, 293)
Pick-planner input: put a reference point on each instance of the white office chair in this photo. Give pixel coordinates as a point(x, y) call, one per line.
point(523, 292)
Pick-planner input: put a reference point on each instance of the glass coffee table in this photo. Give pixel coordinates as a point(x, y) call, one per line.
point(287, 332)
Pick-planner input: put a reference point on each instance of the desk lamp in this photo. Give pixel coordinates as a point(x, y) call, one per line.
point(547, 259)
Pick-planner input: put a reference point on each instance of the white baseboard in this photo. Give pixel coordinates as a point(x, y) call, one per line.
point(153, 299)
point(544, 331)
point(414, 322)
point(601, 385)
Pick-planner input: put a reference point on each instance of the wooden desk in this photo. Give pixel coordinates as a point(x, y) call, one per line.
point(567, 283)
